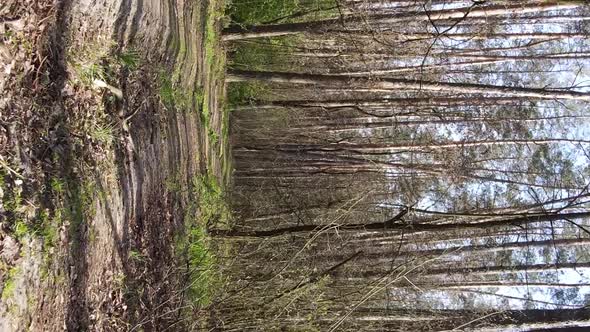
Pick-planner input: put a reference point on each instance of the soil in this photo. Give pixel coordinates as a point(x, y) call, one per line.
point(109, 174)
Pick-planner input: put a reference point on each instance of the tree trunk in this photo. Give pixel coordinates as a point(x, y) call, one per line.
point(404, 84)
point(390, 224)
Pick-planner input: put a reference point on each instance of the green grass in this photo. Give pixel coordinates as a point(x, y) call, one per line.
point(21, 230)
point(64, 202)
point(252, 12)
point(264, 53)
point(166, 90)
point(74, 203)
point(45, 223)
point(57, 186)
point(172, 183)
point(102, 133)
point(260, 11)
point(90, 72)
point(129, 59)
point(79, 202)
point(137, 256)
point(202, 275)
point(96, 62)
point(200, 96)
point(209, 208)
point(245, 92)
point(205, 114)
point(50, 221)
point(11, 199)
point(49, 227)
point(214, 210)
point(13, 205)
point(9, 286)
point(174, 96)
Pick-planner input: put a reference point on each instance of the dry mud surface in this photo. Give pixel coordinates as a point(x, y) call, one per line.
point(98, 166)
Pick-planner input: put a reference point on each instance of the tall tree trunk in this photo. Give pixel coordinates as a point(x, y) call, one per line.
point(404, 84)
point(391, 224)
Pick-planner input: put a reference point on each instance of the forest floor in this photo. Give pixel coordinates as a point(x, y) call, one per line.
point(114, 158)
